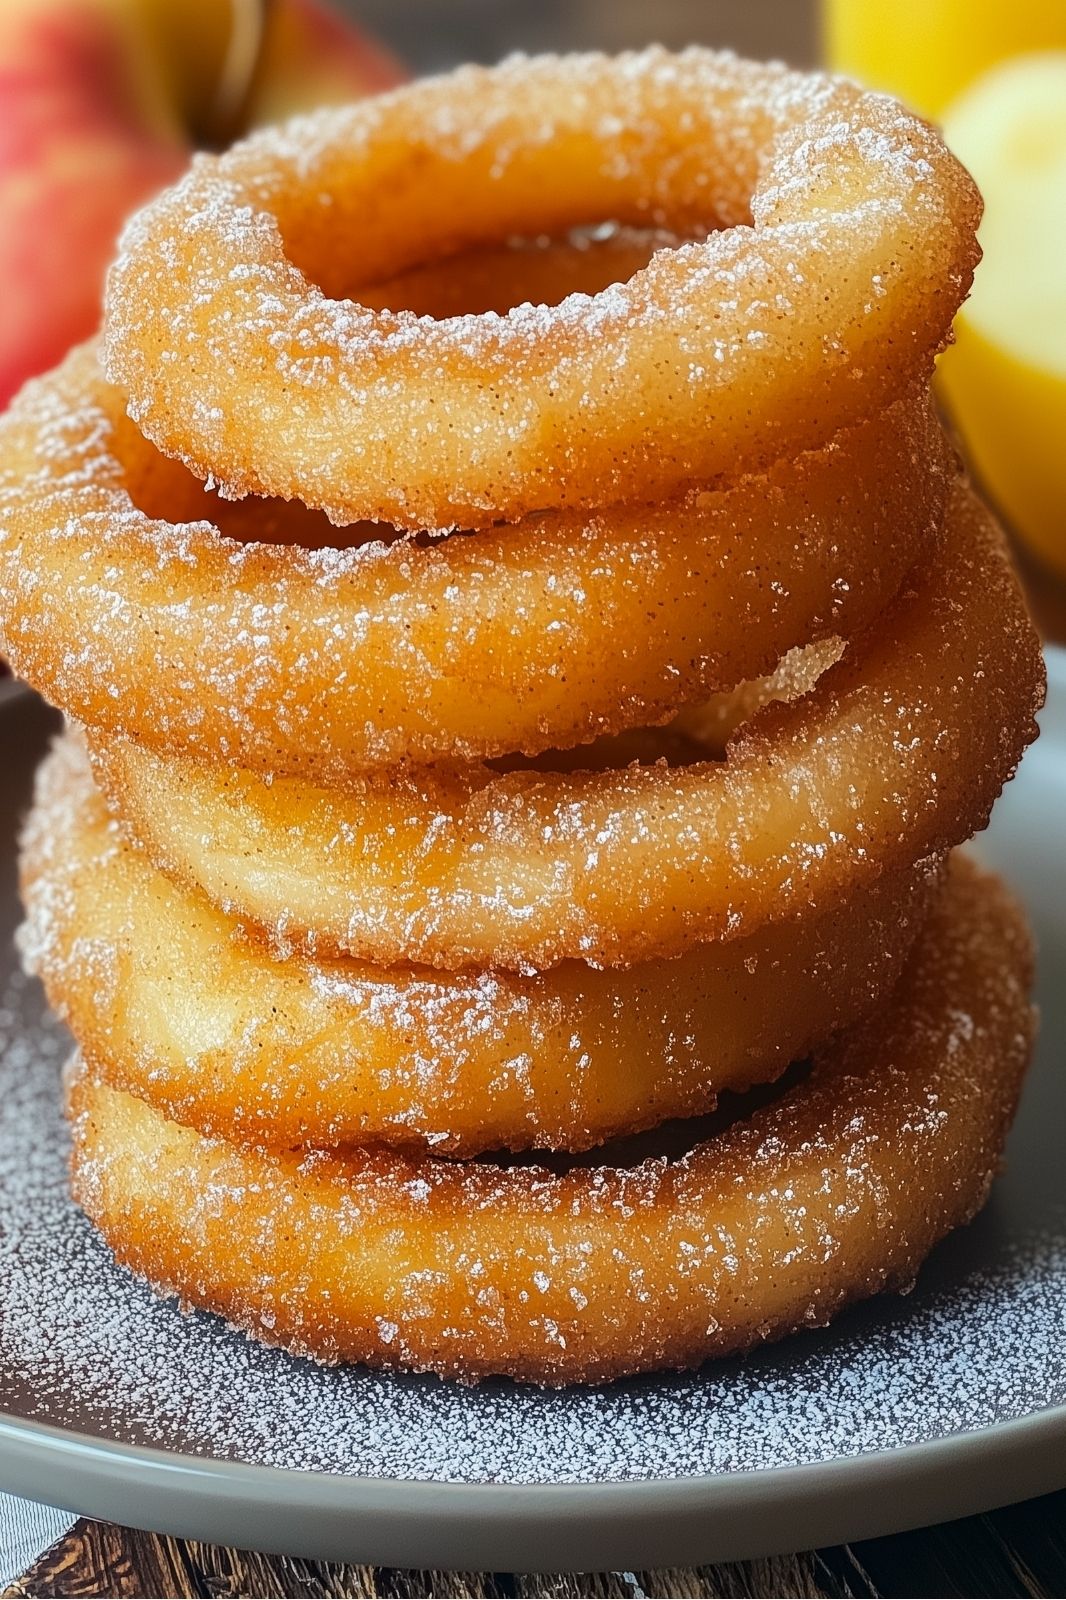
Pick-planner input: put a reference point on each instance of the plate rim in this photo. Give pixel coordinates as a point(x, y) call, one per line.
point(727, 1516)
point(724, 1516)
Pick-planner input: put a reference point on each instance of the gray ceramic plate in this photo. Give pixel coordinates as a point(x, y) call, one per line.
point(907, 1411)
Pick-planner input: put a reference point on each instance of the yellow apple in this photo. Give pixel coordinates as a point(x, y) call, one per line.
point(1005, 379)
point(927, 51)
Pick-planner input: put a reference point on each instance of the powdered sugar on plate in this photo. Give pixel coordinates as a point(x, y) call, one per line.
point(82, 1345)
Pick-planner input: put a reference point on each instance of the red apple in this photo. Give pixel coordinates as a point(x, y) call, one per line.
point(310, 57)
point(100, 104)
point(84, 138)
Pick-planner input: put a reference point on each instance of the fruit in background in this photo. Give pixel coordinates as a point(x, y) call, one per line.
point(1005, 381)
point(928, 51)
point(995, 74)
point(197, 45)
point(236, 65)
point(100, 104)
point(84, 136)
point(311, 56)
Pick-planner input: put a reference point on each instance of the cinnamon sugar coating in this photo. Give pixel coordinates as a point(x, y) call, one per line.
point(896, 754)
point(518, 723)
point(840, 240)
point(836, 1190)
point(144, 606)
point(169, 1002)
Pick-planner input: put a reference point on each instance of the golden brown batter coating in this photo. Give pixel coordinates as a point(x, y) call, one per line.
point(836, 1190)
point(840, 240)
point(897, 754)
point(629, 743)
point(222, 631)
point(168, 1002)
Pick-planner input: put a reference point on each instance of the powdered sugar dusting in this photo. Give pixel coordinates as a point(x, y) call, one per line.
point(82, 1344)
point(829, 219)
point(136, 600)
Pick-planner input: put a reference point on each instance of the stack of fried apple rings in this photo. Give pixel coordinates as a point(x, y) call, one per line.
point(531, 656)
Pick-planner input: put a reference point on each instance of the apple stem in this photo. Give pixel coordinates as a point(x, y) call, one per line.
point(227, 115)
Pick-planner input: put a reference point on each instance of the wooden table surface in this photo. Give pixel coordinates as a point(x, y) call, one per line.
point(1018, 1551)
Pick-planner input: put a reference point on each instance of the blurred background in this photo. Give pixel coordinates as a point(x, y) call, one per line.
point(431, 34)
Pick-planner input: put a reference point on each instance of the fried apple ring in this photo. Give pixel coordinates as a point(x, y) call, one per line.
point(840, 241)
point(167, 1003)
point(836, 1190)
point(317, 661)
point(896, 754)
